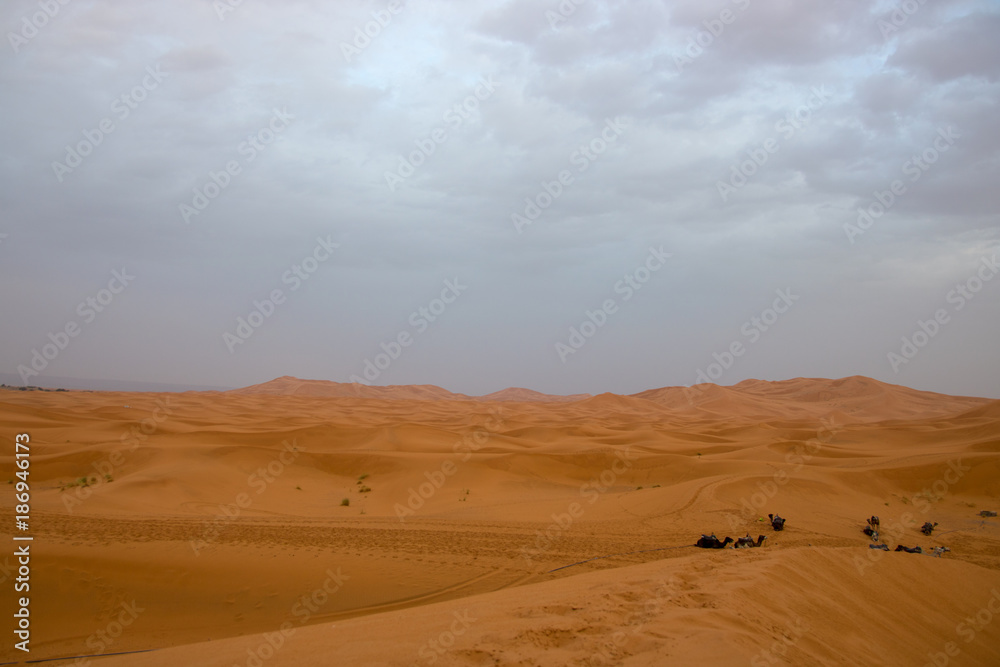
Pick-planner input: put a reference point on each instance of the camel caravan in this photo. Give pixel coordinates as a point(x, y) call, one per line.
point(871, 529)
point(747, 542)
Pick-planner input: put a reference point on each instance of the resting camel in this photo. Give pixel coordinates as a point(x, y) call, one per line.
point(939, 550)
point(776, 522)
point(712, 542)
point(880, 547)
point(987, 513)
point(909, 550)
point(871, 530)
point(747, 542)
point(928, 527)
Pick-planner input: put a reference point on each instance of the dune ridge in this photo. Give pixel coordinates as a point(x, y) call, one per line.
point(855, 397)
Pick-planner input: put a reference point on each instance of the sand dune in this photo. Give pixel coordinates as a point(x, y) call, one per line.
point(222, 510)
point(521, 395)
point(291, 386)
point(852, 398)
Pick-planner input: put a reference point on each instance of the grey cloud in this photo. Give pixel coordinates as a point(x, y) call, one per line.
point(656, 184)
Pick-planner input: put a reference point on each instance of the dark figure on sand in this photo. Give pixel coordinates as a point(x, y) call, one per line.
point(928, 527)
point(747, 542)
point(909, 550)
point(776, 522)
point(871, 530)
point(712, 542)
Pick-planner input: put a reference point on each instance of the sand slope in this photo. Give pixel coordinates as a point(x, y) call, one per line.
point(699, 609)
point(224, 509)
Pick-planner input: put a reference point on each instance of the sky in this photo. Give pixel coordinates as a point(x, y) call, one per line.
point(574, 196)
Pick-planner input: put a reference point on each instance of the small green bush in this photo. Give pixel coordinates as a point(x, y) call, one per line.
point(345, 502)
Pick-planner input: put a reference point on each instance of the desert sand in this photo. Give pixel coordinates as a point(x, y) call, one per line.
point(511, 529)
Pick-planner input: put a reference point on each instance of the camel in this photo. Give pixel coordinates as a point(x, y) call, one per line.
point(712, 542)
point(909, 550)
point(939, 550)
point(881, 547)
point(987, 513)
point(871, 529)
point(776, 522)
point(747, 542)
point(928, 527)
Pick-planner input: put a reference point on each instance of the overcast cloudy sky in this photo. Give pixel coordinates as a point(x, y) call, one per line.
point(674, 169)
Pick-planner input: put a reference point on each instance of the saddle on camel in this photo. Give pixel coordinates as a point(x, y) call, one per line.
point(748, 543)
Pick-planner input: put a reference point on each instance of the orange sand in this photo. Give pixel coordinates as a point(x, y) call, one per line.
point(222, 524)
